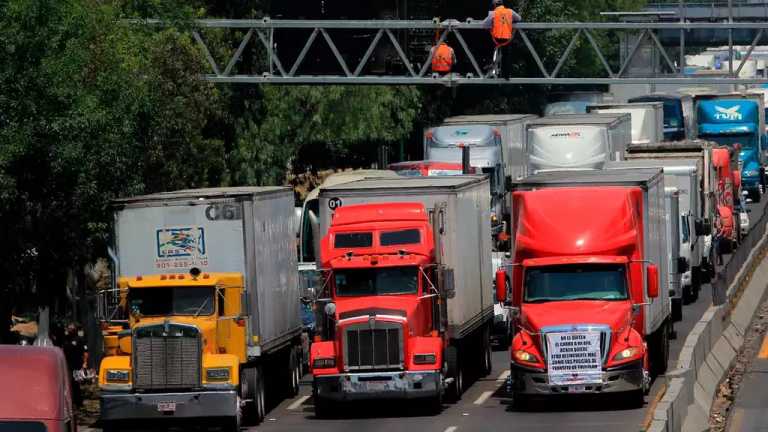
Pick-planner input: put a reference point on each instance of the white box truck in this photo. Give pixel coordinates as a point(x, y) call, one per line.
point(576, 141)
point(647, 119)
point(682, 174)
point(208, 279)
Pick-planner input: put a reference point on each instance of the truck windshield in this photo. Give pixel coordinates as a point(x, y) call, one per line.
point(576, 282)
point(164, 301)
point(378, 281)
point(745, 140)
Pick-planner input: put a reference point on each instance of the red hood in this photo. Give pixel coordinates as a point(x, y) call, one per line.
point(395, 305)
point(616, 314)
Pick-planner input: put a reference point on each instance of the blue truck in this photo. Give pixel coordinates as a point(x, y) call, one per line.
point(737, 121)
point(678, 115)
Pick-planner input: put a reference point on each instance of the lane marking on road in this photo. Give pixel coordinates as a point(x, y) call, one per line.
point(735, 425)
point(483, 397)
point(652, 406)
point(298, 403)
point(451, 429)
point(763, 354)
point(503, 377)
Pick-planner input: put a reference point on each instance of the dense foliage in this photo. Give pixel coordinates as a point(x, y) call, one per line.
point(93, 108)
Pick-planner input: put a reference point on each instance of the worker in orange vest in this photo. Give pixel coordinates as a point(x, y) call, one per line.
point(500, 21)
point(443, 58)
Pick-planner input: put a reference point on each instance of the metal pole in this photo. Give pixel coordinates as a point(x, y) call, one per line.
point(681, 12)
point(465, 168)
point(730, 38)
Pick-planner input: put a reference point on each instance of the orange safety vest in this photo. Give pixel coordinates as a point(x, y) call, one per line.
point(442, 60)
point(502, 30)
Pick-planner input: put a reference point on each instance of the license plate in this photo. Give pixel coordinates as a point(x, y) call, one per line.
point(376, 385)
point(577, 389)
point(166, 406)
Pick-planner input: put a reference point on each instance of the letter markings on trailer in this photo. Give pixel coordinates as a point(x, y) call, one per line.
point(574, 358)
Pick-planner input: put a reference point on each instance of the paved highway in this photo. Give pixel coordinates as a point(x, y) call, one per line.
point(485, 406)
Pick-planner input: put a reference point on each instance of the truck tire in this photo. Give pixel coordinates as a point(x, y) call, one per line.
point(660, 359)
point(696, 282)
point(521, 401)
point(487, 361)
point(754, 195)
point(434, 404)
point(232, 424)
point(677, 308)
point(292, 374)
point(323, 407)
point(635, 399)
point(252, 389)
point(455, 371)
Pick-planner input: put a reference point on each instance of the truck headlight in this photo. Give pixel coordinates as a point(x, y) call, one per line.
point(217, 374)
point(423, 359)
point(324, 363)
point(626, 353)
point(118, 375)
point(525, 356)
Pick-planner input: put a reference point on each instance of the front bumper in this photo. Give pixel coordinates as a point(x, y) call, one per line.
point(137, 406)
point(378, 385)
point(621, 379)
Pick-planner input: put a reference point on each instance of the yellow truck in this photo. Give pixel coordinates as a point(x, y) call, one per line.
point(208, 281)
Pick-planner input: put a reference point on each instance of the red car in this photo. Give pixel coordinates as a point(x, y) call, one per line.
point(36, 396)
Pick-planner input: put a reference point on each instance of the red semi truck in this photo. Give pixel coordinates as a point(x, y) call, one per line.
point(588, 258)
point(407, 305)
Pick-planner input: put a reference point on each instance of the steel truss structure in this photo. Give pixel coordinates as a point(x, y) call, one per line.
point(282, 70)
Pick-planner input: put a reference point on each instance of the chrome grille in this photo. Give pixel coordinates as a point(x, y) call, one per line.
point(377, 348)
point(167, 357)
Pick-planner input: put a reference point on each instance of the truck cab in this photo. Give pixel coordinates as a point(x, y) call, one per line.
point(737, 121)
point(381, 333)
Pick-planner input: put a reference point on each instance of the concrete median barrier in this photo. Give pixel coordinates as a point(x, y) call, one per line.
point(711, 347)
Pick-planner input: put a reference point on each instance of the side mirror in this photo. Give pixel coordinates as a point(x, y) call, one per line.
point(652, 274)
point(501, 286)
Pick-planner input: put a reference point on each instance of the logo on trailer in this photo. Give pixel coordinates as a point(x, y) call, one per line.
point(334, 203)
point(567, 135)
point(461, 132)
point(180, 242)
point(730, 114)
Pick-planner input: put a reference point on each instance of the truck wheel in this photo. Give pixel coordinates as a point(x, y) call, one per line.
point(293, 374)
point(695, 282)
point(661, 351)
point(252, 389)
point(677, 309)
point(455, 371)
point(487, 359)
point(261, 396)
point(520, 401)
point(435, 403)
point(754, 195)
point(323, 408)
point(232, 425)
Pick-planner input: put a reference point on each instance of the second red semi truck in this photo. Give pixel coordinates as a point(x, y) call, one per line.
point(588, 260)
point(407, 305)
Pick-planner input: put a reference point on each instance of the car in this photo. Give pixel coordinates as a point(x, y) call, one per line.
point(38, 397)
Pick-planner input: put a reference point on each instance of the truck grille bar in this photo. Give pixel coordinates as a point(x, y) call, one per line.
point(167, 356)
point(373, 348)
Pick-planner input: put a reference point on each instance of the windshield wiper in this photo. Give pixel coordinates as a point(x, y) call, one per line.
point(200, 309)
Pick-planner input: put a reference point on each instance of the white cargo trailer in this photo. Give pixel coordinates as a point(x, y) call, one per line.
point(512, 129)
point(576, 141)
point(465, 236)
point(683, 175)
point(672, 207)
point(677, 153)
point(647, 119)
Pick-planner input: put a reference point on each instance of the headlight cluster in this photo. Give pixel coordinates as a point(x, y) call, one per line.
point(217, 374)
point(324, 363)
point(422, 359)
point(626, 353)
point(525, 356)
point(118, 375)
